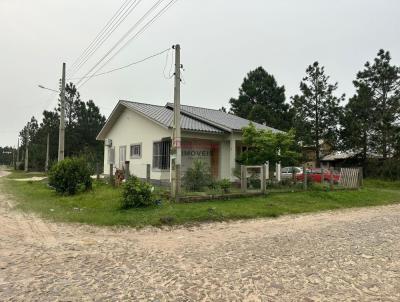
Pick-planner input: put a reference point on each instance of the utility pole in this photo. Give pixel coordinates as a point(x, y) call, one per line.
point(61, 135)
point(26, 148)
point(46, 166)
point(177, 158)
point(18, 151)
point(13, 158)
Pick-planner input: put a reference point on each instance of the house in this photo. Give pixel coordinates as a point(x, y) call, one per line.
point(339, 159)
point(141, 134)
point(310, 155)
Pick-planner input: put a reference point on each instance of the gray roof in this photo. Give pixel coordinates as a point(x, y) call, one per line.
point(192, 118)
point(219, 118)
point(165, 116)
point(338, 155)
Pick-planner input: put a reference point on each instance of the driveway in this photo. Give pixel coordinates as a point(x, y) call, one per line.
point(350, 255)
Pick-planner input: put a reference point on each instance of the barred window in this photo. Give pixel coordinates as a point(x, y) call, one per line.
point(136, 151)
point(161, 155)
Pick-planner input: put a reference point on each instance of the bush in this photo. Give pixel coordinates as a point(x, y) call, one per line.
point(197, 177)
point(225, 185)
point(385, 169)
point(136, 193)
point(70, 176)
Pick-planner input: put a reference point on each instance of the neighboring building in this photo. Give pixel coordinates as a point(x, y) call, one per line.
point(141, 134)
point(340, 159)
point(310, 155)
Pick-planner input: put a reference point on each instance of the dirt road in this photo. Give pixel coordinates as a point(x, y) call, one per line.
point(352, 255)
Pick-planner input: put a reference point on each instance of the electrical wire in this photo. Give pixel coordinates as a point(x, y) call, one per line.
point(108, 34)
point(147, 25)
point(108, 24)
point(124, 37)
point(123, 67)
point(136, 3)
point(169, 76)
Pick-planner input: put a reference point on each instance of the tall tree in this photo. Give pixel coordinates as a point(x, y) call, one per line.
point(383, 80)
point(262, 100)
point(317, 110)
point(83, 122)
point(357, 122)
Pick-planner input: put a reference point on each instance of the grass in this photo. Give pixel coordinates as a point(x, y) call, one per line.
point(101, 206)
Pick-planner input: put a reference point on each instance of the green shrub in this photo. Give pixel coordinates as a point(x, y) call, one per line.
point(225, 185)
point(197, 177)
point(385, 169)
point(70, 176)
point(136, 193)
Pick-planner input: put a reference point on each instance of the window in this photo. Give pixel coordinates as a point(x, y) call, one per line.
point(111, 155)
point(161, 155)
point(136, 151)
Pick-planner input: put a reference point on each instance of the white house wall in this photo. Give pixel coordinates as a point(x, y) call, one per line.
point(132, 128)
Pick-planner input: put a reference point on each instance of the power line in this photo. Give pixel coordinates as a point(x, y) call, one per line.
point(104, 39)
point(124, 36)
point(100, 34)
point(126, 14)
point(147, 25)
point(108, 34)
point(170, 68)
point(123, 67)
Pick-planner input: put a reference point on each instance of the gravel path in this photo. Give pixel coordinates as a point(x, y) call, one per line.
point(350, 255)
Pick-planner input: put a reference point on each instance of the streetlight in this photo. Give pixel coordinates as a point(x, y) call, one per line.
point(41, 86)
point(61, 133)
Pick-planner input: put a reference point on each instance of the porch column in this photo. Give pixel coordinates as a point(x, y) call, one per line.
point(232, 158)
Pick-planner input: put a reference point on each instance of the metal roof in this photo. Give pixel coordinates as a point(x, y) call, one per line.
point(219, 118)
point(338, 155)
point(165, 116)
point(192, 118)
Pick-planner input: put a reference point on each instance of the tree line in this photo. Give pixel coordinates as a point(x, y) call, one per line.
point(83, 121)
point(367, 123)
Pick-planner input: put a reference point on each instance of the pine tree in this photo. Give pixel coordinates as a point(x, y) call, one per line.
point(357, 122)
point(317, 111)
point(262, 100)
point(383, 80)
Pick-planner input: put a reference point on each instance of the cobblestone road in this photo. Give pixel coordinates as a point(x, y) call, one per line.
point(349, 255)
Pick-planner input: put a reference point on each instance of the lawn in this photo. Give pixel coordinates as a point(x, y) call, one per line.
point(101, 206)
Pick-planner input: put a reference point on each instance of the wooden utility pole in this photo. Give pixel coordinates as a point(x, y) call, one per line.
point(26, 148)
point(177, 158)
point(18, 151)
point(14, 163)
point(46, 166)
point(61, 135)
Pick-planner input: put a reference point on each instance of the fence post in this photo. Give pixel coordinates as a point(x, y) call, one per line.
point(148, 173)
point(263, 179)
point(267, 170)
point(305, 177)
point(360, 177)
point(331, 179)
point(127, 173)
point(111, 174)
point(243, 179)
point(97, 171)
point(322, 176)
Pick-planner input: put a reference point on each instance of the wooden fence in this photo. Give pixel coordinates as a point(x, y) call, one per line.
point(351, 178)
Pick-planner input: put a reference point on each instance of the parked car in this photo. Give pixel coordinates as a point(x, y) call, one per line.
point(287, 172)
point(315, 175)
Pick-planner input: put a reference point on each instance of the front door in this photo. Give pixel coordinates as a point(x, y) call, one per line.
point(122, 156)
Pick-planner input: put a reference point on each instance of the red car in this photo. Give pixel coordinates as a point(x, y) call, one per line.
point(315, 175)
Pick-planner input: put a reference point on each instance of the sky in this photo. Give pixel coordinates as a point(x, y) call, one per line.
point(221, 42)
